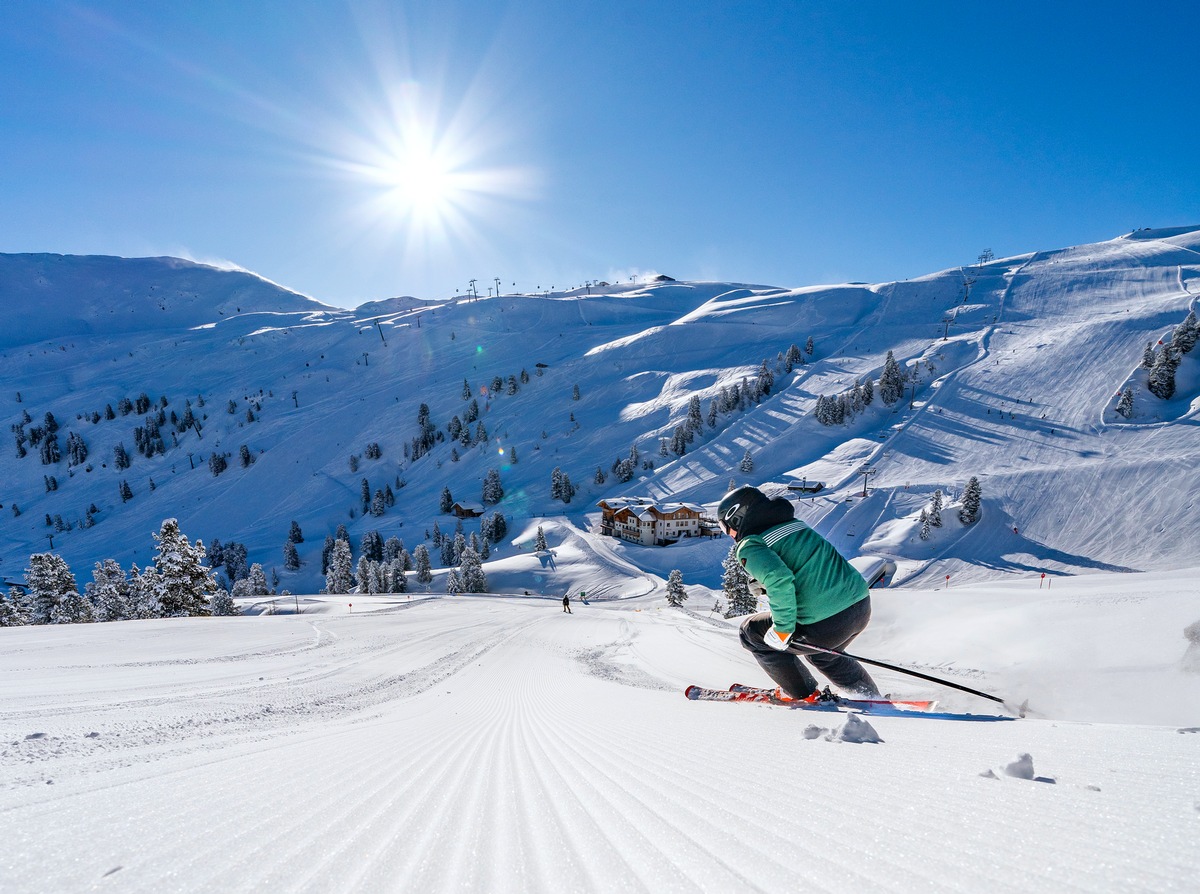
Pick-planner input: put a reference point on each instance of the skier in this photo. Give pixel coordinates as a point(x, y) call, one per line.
point(815, 596)
point(567, 603)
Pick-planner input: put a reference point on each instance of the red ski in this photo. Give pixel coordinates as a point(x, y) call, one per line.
point(827, 702)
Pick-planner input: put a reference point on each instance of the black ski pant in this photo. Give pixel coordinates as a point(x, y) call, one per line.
point(835, 632)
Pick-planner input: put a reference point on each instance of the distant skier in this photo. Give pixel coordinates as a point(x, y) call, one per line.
point(567, 603)
point(815, 595)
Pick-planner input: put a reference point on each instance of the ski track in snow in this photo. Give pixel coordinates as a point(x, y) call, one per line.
point(500, 745)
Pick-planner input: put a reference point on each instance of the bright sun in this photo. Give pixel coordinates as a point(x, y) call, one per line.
point(428, 169)
point(423, 183)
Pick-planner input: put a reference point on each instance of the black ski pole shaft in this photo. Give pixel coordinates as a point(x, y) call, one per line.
point(912, 673)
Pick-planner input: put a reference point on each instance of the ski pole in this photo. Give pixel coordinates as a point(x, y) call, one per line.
point(1019, 710)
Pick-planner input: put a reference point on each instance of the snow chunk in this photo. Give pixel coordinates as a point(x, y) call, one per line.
point(1021, 768)
point(855, 730)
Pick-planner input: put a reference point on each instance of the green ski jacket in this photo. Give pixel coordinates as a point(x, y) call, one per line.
point(806, 579)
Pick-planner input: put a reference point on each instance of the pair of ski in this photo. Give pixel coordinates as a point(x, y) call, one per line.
point(826, 702)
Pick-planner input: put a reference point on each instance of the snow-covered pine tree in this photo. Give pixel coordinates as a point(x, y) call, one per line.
point(736, 585)
point(1148, 356)
point(108, 591)
point(923, 520)
point(493, 490)
point(371, 546)
point(12, 609)
point(1186, 334)
point(422, 566)
point(236, 565)
point(446, 502)
point(258, 581)
point(1125, 403)
point(73, 609)
point(679, 441)
point(539, 543)
point(145, 591)
point(695, 420)
point(471, 570)
point(676, 593)
point(291, 558)
point(747, 464)
point(499, 527)
point(449, 556)
point(972, 502)
point(186, 582)
point(891, 381)
point(397, 580)
point(295, 535)
point(935, 509)
point(339, 578)
point(48, 581)
point(453, 582)
point(392, 547)
point(765, 381)
point(223, 605)
point(1161, 381)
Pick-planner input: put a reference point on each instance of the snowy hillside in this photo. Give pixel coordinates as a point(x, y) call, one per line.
point(1018, 363)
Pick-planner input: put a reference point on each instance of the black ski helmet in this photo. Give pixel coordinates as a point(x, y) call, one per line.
point(731, 511)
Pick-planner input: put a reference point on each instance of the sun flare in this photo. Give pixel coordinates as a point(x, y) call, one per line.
point(422, 182)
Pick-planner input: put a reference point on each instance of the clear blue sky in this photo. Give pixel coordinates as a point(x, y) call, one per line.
point(354, 151)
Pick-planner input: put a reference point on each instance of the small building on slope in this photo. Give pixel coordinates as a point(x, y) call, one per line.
point(653, 523)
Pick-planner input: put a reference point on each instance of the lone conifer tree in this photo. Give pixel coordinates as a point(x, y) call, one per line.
point(676, 593)
point(971, 502)
point(1125, 403)
point(736, 585)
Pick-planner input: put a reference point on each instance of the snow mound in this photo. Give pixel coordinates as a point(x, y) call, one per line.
point(856, 730)
point(1021, 768)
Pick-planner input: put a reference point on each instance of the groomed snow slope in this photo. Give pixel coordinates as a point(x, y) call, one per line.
point(498, 744)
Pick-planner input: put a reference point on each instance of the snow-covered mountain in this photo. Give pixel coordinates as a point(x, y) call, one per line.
point(1018, 364)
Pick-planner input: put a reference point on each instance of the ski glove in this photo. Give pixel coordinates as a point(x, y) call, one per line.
point(776, 640)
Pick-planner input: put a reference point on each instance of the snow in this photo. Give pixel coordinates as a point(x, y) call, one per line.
point(494, 743)
point(497, 744)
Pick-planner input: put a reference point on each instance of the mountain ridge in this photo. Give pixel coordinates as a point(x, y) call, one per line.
point(1018, 359)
